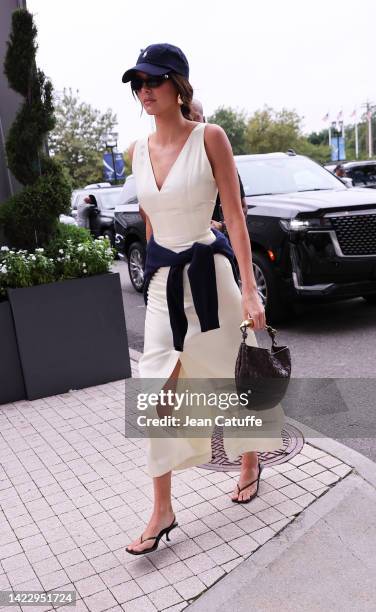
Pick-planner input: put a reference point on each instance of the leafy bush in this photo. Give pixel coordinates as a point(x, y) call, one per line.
point(29, 218)
point(72, 260)
point(76, 235)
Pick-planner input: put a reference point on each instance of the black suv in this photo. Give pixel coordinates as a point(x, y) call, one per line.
point(311, 236)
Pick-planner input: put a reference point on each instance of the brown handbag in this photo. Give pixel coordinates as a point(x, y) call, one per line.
point(262, 374)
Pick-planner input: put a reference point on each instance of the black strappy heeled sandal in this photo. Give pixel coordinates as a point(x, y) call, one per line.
point(246, 501)
point(166, 531)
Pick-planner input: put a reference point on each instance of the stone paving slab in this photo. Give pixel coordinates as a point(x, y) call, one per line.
point(74, 492)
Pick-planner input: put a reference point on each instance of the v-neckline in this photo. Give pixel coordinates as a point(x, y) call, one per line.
point(173, 165)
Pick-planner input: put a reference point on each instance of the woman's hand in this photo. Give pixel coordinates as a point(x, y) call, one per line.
point(216, 224)
point(253, 308)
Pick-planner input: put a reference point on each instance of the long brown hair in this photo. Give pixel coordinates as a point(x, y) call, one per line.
point(185, 89)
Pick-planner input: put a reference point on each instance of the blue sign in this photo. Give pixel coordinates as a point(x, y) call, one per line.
point(338, 148)
point(108, 166)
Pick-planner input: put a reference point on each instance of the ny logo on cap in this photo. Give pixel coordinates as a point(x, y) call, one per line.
point(145, 54)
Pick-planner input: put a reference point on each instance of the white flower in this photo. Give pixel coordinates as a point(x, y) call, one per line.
point(40, 250)
point(4, 248)
point(61, 251)
point(85, 271)
point(32, 257)
point(80, 248)
point(3, 269)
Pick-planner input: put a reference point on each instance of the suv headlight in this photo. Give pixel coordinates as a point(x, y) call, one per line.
point(299, 225)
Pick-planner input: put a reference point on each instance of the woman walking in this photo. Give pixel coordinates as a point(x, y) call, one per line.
point(194, 304)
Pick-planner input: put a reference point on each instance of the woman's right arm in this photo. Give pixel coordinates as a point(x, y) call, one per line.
point(148, 227)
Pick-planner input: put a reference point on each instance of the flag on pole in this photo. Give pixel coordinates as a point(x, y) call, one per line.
point(326, 117)
point(339, 118)
point(369, 115)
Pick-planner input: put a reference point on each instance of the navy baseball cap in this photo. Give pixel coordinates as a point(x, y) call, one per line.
point(159, 59)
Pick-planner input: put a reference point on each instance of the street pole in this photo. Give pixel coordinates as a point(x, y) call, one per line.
point(370, 148)
point(368, 107)
point(356, 140)
point(113, 163)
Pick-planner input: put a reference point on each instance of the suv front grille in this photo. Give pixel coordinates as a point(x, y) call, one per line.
point(356, 234)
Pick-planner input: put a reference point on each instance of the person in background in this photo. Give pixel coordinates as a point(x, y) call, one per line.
point(85, 211)
point(340, 171)
point(218, 222)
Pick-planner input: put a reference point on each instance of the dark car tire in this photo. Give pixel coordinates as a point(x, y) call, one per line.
point(136, 265)
point(371, 298)
point(276, 310)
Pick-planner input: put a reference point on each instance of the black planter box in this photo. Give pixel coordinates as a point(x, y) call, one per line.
point(71, 334)
point(12, 386)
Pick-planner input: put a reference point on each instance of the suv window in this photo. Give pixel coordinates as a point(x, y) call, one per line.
point(108, 198)
point(363, 175)
point(284, 175)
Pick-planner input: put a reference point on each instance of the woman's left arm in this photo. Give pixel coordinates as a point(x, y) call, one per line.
point(220, 155)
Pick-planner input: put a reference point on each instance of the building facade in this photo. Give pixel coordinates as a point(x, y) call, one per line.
point(9, 99)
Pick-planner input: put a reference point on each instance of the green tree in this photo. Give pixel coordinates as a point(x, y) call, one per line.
point(269, 131)
point(318, 138)
point(234, 124)
point(30, 218)
point(320, 153)
point(362, 140)
point(127, 161)
point(79, 137)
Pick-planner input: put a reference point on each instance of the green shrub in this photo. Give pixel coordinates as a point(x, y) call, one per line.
point(76, 235)
point(73, 259)
point(29, 218)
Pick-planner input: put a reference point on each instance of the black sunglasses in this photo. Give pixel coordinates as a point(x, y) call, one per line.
point(152, 82)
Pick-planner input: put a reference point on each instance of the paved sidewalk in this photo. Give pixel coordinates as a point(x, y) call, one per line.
point(74, 492)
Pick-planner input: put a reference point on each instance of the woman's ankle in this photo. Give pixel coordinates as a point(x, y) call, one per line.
point(163, 510)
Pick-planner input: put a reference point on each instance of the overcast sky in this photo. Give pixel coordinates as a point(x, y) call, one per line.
point(314, 56)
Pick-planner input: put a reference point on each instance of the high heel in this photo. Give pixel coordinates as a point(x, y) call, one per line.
point(246, 501)
point(166, 531)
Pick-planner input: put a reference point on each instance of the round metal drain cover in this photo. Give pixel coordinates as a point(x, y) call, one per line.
point(293, 441)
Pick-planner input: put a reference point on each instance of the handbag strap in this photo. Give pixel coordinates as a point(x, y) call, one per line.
point(249, 323)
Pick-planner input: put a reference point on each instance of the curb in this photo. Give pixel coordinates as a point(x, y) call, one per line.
point(246, 571)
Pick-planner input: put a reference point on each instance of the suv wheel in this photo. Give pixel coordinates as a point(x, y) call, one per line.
point(370, 298)
point(136, 263)
point(275, 310)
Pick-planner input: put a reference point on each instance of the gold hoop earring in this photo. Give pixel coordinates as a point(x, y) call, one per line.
point(180, 101)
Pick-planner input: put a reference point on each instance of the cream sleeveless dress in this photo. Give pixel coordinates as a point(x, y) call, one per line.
point(180, 214)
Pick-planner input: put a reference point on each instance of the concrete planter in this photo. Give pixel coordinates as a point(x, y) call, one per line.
point(70, 334)
point(12, 386)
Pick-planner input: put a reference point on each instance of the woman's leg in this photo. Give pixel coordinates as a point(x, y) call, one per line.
point(249, 472)
point(163, 514)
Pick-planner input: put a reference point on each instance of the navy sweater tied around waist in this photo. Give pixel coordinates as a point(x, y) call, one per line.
point(202, 279)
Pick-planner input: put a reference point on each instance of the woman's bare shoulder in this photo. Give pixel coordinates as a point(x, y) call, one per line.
point(216, 140)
